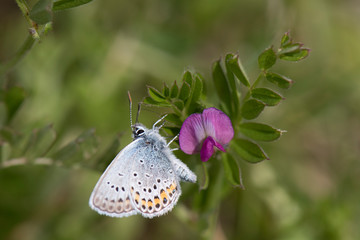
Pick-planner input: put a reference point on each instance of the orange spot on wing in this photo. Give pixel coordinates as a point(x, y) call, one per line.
point(163, 196)
point(137, 197)
point(172, 187)
point(157, 201)
point(150, 205)
point(143, 203)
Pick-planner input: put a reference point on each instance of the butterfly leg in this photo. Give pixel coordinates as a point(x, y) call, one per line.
point(172, 140)
point(162, 118)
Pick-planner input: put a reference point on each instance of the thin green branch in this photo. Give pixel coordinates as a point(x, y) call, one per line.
point(24, 49)
point(30, 41)
point(24, 7)
point(257, 81)
point(248, 94)
point(24, 161)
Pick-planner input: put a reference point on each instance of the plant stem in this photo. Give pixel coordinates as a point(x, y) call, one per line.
point(257, 80)
point(24, 49)
point(24, 161)
point(30, 41)
point(248, 94)
point(24, 7)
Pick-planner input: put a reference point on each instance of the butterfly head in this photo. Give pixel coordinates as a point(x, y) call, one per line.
point(138, 130)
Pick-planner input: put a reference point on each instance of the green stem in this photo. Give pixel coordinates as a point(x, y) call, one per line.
point(24, 161)
point(248, 94)
point(24, 49)
point(28, 43)
point(261, 74)
point(24, 7)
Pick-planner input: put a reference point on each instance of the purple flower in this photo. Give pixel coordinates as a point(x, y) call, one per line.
point(200, 133)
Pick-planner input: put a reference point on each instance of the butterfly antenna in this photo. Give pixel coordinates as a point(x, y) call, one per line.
point(130, 106)
point(138, 113)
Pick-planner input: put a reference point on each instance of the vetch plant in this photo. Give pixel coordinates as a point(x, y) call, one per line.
point(229, 125)
point(204, 128)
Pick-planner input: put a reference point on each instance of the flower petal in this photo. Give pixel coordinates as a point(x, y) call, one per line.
point(218, 125)
point(219, 146)
point(207, 149)
point(192, 133)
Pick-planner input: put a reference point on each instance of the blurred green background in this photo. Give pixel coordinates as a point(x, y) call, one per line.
point(77, 78)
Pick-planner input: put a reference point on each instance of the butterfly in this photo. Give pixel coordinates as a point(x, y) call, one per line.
point(144, 178)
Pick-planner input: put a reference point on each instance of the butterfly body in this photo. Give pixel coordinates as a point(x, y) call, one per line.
point(144, 178)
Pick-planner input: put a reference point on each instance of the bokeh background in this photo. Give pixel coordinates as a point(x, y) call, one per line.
point(78, 76)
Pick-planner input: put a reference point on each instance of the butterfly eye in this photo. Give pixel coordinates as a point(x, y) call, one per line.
point(139, 131)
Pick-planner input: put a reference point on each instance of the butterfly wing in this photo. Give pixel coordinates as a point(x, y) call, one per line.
point(154, 185)
point(111, 195)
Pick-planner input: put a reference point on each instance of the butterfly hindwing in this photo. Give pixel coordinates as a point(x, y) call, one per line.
point(154, 185)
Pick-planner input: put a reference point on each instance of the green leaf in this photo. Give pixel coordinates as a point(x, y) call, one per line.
point(259, 131)
point(13, 99)
point(298, 55)
point(9, 135)
point(252, 109)
point(195, 94)
point(41, 13)
point(68, 155)
point(235, 95)
point(198, 88)
point(184, 91)
point(174, 90)
point(172, 131)
point(66, 4)
point(149, 100)
point(249, 151)
point(279, 80)
point(267, 96)
point(234, 64)
point(166, 90)
point(40, 142)
point(107, 156)
point(290, 48)
point(5, 152)
point(267, 59)
point(290, 51)
point(174, 118)
point(179, 104)
point(221, 85)
point(232, 171)
point(187, 77)
point(82, 148)
point(3, 114)
point(285, 40)
point(156, 95)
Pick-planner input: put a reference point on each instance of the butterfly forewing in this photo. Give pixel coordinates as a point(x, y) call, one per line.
point(111, 195)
